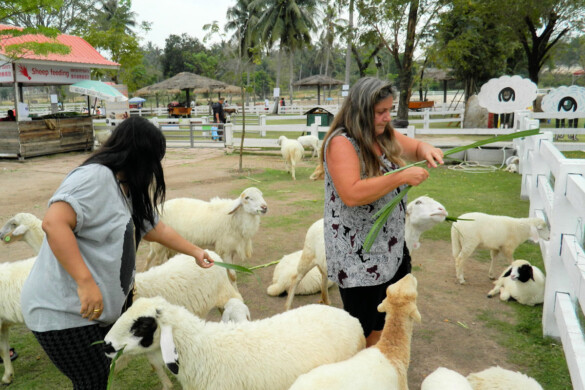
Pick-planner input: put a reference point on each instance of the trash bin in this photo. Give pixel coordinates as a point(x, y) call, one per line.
point(319, 115)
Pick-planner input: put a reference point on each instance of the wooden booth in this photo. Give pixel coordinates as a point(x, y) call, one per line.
point(29, 136)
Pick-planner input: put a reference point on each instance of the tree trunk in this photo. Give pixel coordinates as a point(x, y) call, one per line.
point(349, 43)
point(275, 108)
point(290, 83)
point(406, 70)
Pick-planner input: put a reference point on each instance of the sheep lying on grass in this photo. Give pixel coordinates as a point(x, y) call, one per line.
point(284, 272)
point(421, 215)
point(310, 141)
point(227, 225)
point(522, 282)
point(313, 255)
point(499, 234)
point(23, 226)
point(12, 277)
point(384, 365)
point(443, 378)
point(267, 354)
point(292, 152)
point(502, 379)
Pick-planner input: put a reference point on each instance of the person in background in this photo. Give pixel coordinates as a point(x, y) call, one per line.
point(83, 277)
point(282, 104)
point(10, 117)
point(359, 148)
point(219, 117)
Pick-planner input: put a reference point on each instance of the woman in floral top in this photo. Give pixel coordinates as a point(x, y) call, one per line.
point(359, 148)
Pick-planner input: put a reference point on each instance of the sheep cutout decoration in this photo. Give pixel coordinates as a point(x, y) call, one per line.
point(565, 100)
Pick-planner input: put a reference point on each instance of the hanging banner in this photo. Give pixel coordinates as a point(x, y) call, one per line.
point(29, 74)
point(6, 75)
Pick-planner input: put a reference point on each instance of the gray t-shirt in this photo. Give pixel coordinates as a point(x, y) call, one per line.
point(105, 236)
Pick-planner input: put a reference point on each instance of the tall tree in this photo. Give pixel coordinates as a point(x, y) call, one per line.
point(289, 22)
point(177, 48)
point(400, 25)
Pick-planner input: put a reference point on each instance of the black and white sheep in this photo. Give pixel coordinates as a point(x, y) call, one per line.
point(383, 366)
point(310, 141)
point(422, 214)
point(267, 354)
point(227, 225)
point(292, 152)
point(500, 234)
point(522, 282)
point(23, 226)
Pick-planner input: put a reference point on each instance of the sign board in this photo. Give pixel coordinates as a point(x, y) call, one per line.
point(6, 75)
point(345, 87)
point(276, 92)
point(344, 93)
point(54, 99)
point(47, 74)
point(117, 110)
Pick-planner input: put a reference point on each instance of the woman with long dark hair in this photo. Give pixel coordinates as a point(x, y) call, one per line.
point(359, 148)
point(83, 277)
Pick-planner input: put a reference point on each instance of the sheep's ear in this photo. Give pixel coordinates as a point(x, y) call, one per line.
point(235, 205)
point(168, 349)
point(20, 230)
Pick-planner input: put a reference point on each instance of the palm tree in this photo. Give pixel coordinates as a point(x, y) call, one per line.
point(117, 15)
point(289, 22)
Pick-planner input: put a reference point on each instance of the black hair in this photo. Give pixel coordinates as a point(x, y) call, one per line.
point(135, 149)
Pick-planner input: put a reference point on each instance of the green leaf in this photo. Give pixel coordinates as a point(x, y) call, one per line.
point(382, 215)
point(112, 368)
point(235, 267)
point(265, 265)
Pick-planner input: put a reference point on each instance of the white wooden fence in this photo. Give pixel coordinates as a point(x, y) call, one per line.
point(555, 187)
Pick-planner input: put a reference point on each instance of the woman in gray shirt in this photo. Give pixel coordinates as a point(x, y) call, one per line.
point(83, 276)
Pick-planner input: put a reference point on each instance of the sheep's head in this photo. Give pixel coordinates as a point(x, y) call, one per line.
point(16, 227)
point(539, 229)
point(521, 271)
point(280, 139)
point(140, 330)
point(251, 200)
point(425, 212)
point(402, 295)
point(235, 310)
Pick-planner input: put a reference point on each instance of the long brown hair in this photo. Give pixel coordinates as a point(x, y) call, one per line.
point(356, 117)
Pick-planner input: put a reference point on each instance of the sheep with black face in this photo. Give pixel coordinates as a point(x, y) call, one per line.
point(522, 282)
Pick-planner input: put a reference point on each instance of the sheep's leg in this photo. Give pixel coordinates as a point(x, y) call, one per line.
point(291, 291)
point(5, 354)
point(155, 360)
point(324, 289)
point(466, 251)
point(504, 294)
point(494, 255)
point(498, 285)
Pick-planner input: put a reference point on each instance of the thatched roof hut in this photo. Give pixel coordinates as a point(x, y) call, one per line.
point(317, 80)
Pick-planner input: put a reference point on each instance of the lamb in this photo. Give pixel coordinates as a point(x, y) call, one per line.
point(310, 141)
point(499, 234)
point(12, 277)
point(384, 365)
point(421, 215)
point(284, 271)
point(313, 255)
point(228, 225)
point(497, 378)
point(235, 310)
point(292, 152)
point(230, 356)
point(23, 226)
point(522, 282)
point(443, 378)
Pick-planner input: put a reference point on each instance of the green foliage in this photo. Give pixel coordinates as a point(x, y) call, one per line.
point(176, 53)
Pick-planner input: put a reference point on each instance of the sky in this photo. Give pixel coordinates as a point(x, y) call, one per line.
point(179, 16)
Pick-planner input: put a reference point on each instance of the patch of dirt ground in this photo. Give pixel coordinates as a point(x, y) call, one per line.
point(449, 334)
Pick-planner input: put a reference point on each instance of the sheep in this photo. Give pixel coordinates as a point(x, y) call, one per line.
point(23, 226)
point(499, 234)
point(522, 282)
point(102, 136)
point(228, 225)
point(313, 255)
point(182, 282)
point(421, 215)
point(235, 310)
point(384, 365)
point(443, 378)
point(266, 354)
point(292, 152)
point(12, 277)
point(310, 141)
point(497, 378)
point(282, 277)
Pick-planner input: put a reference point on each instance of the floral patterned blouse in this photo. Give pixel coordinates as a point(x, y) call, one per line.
point(346, 228)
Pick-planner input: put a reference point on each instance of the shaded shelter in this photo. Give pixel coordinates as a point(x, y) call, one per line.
point(443, 75)
point(317, 80)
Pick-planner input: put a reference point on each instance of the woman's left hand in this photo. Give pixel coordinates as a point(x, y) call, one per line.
point(202, 258)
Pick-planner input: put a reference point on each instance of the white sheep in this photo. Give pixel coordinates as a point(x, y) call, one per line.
point(500, 234)
point(384, 365)
point(443, 378)
point(522, 282)
point(266, 354)
point(292, 152)
point(512, 164)
point(497, 378)
point(284, 271)
point(310, 141)
point(101, 136)
point(313, 255)
point(12, 277)
point(421, 215)
point(23, 226)
point(182, 282)
point(227, 225)
point(235, 310)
